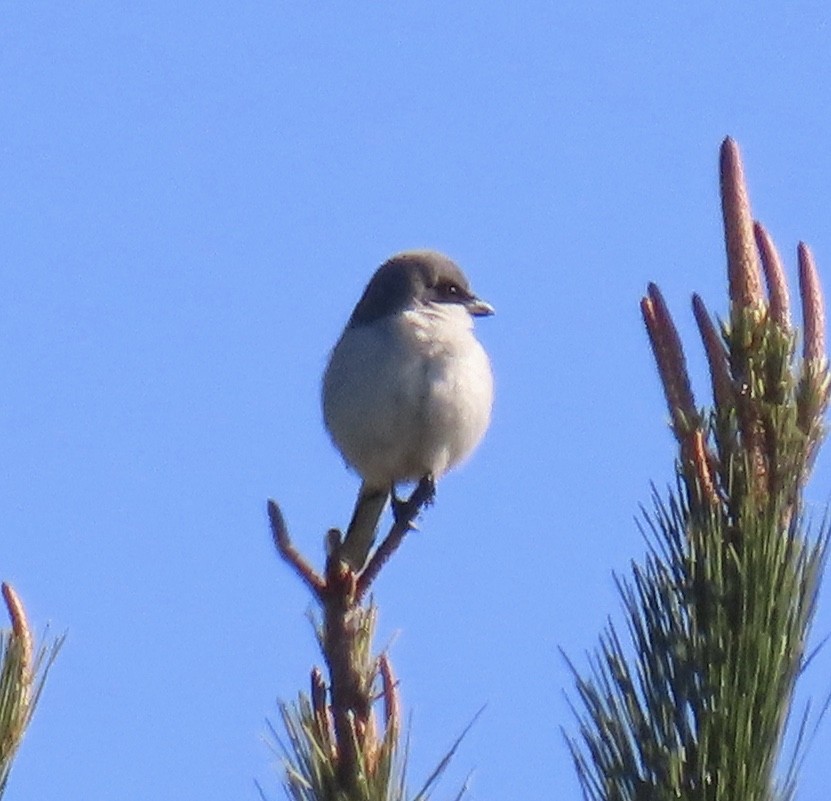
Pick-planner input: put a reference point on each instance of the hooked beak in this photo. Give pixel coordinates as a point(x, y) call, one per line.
point(477, 307)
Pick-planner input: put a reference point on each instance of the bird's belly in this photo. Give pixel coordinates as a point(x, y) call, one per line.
point(410, 415)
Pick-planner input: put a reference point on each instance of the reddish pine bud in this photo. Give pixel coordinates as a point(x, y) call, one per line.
point(777, 284)
point(813, 307)
point(742, 258)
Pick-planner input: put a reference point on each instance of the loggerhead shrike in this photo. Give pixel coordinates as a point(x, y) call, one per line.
point(408, 389)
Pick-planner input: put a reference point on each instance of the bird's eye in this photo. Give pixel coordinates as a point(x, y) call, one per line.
point(448, 291)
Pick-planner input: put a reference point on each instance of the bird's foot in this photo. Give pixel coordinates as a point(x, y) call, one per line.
point(425, 493)
point(405, 511)
point(400, 507)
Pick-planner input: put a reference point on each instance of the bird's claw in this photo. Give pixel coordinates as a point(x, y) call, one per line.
point(400, 509)
point(405, 511)
point(428, 483)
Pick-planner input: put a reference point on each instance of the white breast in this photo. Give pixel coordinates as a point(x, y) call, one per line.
point(408, 395)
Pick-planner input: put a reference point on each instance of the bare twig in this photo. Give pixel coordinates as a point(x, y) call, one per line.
point(291, 555)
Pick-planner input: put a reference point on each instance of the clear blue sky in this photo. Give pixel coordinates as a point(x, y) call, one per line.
point(192, 197)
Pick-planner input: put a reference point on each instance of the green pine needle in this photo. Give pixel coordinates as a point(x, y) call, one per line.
point(306, 748)
point(21, 685)
point(720, 611)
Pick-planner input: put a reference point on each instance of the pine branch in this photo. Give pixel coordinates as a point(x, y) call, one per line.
point(333, 749)
point(720, 611)
point(23, 670)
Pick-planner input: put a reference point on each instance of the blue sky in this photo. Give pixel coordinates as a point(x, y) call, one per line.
point(192, 197)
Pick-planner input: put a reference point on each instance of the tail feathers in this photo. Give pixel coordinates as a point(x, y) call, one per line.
point(361, 532)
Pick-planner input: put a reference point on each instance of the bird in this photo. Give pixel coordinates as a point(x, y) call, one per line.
point(408, 388)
